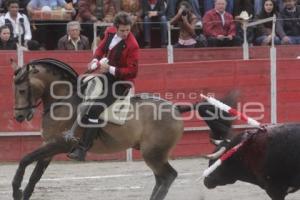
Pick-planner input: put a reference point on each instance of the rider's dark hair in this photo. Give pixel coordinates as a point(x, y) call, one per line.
point(8, 2)
point(122, 18)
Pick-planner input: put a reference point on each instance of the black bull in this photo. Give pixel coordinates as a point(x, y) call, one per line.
point(269, 157)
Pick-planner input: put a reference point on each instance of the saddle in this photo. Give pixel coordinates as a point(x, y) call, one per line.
point(117, 112)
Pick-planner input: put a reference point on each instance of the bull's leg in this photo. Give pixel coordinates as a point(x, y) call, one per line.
point(46, 151)
point(36, 175)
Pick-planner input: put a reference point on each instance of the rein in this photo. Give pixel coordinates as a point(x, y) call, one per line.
point(46, 110)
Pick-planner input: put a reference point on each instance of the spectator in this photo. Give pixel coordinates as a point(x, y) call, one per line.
point(288, 23)
point(23, 6)
point(47, 6)
point(154, 11)
point(173, 4)
point(209, 4)
point(73, 40)
point(110, 9)
point(1, 6)
point(243, 5)
point(90, 11)
point(264, 31)
point(186, 20)
point(133, 7)
point(17, 22)
point(219, 27)
point(6, 43)
point(259, 4)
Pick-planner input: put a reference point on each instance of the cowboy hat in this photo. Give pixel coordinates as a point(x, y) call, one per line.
point(244, 15)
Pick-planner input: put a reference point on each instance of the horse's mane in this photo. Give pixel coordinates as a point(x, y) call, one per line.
point(58, 65)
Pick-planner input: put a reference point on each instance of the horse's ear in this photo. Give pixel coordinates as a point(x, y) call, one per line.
point(14, 64)
point(33, 69)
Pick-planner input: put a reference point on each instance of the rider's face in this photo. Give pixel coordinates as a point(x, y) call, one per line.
point(123, 31)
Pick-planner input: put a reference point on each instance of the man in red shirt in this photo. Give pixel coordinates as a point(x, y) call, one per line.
point(117, 60)
point(219, 27)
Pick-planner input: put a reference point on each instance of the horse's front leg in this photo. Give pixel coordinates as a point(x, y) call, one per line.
point(36, 175)
point(46, 151)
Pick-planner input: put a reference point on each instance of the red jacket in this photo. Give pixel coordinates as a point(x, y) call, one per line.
point(212, 24)
point(127, 64)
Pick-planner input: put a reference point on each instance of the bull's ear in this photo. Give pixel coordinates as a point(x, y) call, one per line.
point(216, 142)
point(14, 64)
point(231, 98)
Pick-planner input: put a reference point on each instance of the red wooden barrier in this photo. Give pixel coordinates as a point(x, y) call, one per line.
point(250, 77)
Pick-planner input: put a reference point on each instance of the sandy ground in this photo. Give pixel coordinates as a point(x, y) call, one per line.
point(126, 181)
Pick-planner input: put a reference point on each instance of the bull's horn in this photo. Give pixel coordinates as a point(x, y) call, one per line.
point(216, 142)
point(217, 154)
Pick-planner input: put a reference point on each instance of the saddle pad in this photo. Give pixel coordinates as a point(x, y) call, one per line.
point(94, 87)
point(118, 111)
point(115, 113)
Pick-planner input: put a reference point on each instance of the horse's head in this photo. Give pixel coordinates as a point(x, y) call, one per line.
point(27, 89)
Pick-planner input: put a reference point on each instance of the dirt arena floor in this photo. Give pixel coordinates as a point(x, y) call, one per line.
point(126, 181)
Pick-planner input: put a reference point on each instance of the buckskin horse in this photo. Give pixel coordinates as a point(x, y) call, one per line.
point(154, 138)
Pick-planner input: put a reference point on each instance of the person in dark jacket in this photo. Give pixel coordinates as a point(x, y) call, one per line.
point(73, 40)
point(264, 31)
point(6, 43)
point(288, 23)
point(154, 11)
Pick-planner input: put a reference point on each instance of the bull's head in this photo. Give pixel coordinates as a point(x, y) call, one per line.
point(227, 172)
point(219, 123)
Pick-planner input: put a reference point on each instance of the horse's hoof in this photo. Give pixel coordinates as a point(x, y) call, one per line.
point(18, 195)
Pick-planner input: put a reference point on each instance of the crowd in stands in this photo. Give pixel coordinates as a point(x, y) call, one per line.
point(68, 24)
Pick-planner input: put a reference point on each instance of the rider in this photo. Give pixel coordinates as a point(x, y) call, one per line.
point(117, 60)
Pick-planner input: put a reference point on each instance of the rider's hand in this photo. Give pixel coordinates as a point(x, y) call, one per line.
point(104, 66)
point(94, 64)
point(103, 61)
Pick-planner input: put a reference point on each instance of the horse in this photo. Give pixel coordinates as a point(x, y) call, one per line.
point(155, 138)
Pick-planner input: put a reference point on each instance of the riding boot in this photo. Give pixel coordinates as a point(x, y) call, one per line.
point(85, 143)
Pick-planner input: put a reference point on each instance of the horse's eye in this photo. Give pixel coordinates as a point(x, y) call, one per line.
point(22, 92)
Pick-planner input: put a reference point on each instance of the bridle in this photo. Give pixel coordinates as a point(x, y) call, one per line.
point(21, 78)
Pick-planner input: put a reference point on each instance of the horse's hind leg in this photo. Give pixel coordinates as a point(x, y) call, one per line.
point(46, 151)
point(164, 173)
point(163, 182)
point(36, 175)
